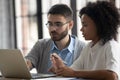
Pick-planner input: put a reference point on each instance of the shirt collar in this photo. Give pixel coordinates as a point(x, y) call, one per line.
point(70, 46)
point(54, 46)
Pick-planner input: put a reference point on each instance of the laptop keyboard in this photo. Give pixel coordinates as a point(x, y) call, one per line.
point(40, 75)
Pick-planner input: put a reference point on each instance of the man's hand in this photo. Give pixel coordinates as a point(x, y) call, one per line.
point(29, 64)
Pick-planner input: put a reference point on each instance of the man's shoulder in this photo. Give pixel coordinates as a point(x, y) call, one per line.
point(77, 40)
point(46, 41)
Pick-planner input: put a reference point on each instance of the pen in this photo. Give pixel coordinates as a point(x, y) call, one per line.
point(57, 58)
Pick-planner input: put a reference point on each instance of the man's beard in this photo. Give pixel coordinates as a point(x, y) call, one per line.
point(57, 37)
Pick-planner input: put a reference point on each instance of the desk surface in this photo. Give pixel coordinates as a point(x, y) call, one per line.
point(51, 78)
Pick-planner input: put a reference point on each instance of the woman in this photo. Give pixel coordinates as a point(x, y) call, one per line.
point(100, 59)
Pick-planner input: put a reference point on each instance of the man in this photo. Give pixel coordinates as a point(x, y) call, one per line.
point(100, 59)
point(67, 46)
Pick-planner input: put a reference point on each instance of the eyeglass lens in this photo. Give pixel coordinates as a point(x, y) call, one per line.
point(57, 24)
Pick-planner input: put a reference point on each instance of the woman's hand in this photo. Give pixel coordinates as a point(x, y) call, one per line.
point(57, 62)
point(59, 67)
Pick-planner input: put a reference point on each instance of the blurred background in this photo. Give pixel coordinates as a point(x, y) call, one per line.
point(22, 22)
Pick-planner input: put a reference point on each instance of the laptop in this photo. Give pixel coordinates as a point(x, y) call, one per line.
point(13, 65)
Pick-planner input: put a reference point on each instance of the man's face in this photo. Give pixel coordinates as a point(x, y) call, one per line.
point(58, 27)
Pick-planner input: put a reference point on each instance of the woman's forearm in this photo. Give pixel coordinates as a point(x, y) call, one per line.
point(97, 74)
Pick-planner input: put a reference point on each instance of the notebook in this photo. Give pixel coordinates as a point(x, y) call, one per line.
point(13, 65)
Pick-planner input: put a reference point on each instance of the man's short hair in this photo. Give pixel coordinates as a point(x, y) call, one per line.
point(61, 9)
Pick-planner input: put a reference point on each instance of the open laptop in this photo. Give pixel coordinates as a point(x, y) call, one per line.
point(12, 65)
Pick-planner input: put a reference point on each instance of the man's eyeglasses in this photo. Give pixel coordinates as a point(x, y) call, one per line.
point(57, 24)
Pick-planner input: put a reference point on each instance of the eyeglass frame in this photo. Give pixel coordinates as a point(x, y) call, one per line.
point(57, 24)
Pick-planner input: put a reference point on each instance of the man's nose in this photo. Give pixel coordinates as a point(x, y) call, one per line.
point(53, 28)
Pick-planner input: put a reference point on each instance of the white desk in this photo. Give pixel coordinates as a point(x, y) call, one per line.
point(51, 78)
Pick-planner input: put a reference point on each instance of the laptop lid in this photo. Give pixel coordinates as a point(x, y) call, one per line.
point(13, 65)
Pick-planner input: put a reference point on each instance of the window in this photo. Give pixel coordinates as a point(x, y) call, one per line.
point(26, 24)
point(118, 6)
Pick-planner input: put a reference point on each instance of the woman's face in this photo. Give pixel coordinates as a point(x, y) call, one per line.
point(88, 29)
